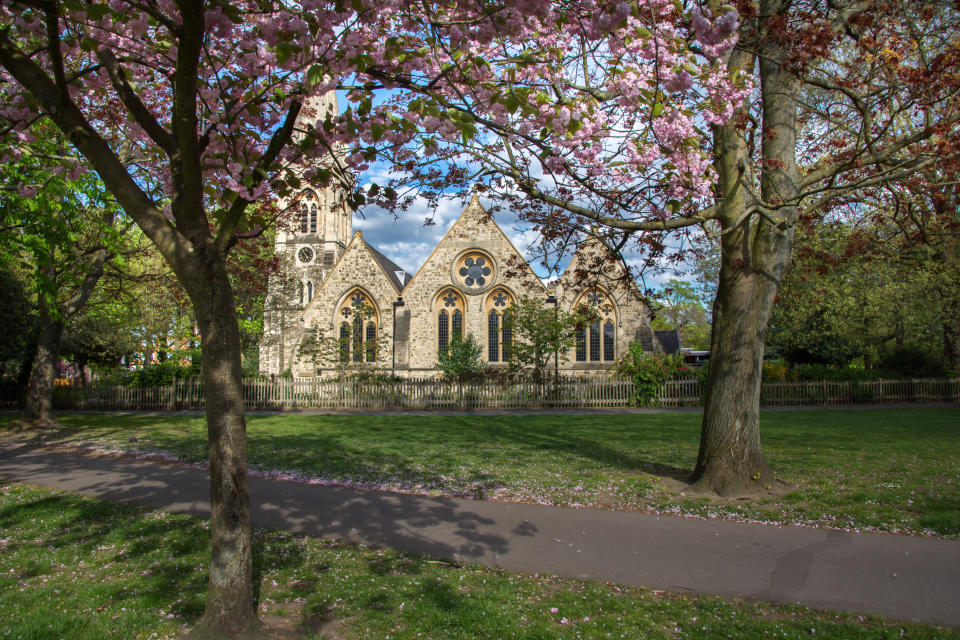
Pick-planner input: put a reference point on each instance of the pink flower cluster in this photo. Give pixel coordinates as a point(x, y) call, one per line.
point(601, 95)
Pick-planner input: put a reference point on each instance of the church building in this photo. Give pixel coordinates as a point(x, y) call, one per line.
point(465, 287)
point(467, 284)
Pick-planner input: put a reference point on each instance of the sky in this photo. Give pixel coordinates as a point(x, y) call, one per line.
point(408, 241)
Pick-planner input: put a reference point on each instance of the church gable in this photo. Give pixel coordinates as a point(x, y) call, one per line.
point(472, 260)
point(359, 273)
point(596, 282)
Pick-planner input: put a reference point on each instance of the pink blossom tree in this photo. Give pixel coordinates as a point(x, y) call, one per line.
point(670, 127)
point(198, 114)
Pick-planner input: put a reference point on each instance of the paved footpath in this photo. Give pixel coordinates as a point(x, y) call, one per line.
point(893, 576)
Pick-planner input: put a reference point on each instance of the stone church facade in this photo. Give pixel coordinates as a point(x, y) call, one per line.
point(465, 286)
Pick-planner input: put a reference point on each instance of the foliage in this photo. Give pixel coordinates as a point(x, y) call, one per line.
point(648, 371)
point(463, 359)
point(682, 310)
point(913, 361)
point(851, 294)
point(541, 331)
point(18, 316)
point(180, 365)
point(97, 339)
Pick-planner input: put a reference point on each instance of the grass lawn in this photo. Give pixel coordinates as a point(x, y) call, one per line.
point(79, 568)
point(892, 470)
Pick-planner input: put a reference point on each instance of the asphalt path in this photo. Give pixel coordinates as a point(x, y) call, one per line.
point(898, 577)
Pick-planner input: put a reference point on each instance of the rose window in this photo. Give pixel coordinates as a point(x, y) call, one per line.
point(475, 271)
point(450, 300)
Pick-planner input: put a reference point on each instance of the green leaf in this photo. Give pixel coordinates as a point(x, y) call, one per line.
point(657, 109)
point(314, 75)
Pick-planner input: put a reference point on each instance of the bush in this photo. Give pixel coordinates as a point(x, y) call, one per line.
point(163, 374)
point(913, 362)
point(649, 371)
point(463, 358)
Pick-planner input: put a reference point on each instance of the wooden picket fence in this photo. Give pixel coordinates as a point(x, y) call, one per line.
point(431, 393)
point(689, 393)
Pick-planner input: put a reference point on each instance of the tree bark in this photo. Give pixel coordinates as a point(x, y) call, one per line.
point(229, 605)
point(755, 251)
point(39, 405)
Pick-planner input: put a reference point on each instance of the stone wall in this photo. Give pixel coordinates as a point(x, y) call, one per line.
point(356, 268)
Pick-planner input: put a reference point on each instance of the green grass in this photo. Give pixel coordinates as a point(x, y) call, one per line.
point(77, 568)
point(889, 470)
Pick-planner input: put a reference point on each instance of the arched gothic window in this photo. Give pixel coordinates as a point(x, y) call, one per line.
point(309, 291)
point(358, 327)
point(499, 325)
point(449, 308)
point(596, 341)
point(313, 218)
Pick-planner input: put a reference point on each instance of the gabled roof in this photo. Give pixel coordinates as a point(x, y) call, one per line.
point(474, 209)
point(395, 272)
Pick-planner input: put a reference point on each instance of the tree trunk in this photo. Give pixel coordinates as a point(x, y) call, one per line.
point(229, 606)
point(39, 404)
point(756, 249)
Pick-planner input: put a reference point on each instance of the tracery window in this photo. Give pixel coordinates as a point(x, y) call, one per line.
point(596, 341)
point(358, 328)
point(449, 309)
point(474, 271)
point(499, 325)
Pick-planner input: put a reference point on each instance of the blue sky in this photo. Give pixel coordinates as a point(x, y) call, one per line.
point(408, 241)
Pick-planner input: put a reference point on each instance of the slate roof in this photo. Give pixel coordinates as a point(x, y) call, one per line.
point(395, 272)
point(669, 341)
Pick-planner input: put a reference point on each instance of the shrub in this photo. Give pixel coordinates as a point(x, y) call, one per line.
point(164, 373)
point(462, 359)
point(913, 362)
point(649, 371)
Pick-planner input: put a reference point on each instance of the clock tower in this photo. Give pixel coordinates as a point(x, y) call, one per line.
point(318, 226)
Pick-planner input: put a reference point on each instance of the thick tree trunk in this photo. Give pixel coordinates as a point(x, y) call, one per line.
point(756, 249)
point(39, 405)
point(229, 606)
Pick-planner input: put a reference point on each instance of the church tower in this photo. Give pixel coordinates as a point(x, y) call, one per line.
point(318, 226)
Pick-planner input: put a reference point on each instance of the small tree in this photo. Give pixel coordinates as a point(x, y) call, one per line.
point(648, 371)
point(542, 331)
point(345, 354)
point(463, 357)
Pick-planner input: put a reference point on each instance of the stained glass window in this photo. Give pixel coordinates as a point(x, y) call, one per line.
point(608, 333)
point(507, 335)
point(344, 341)
point(357, 340)
point(313, 218)
point(371, 342)
point(581, 344)
point(457, 324)
point(443, 332)
point(493, 337)
point(595, 341)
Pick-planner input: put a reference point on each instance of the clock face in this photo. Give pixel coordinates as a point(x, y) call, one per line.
point(305, 254)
